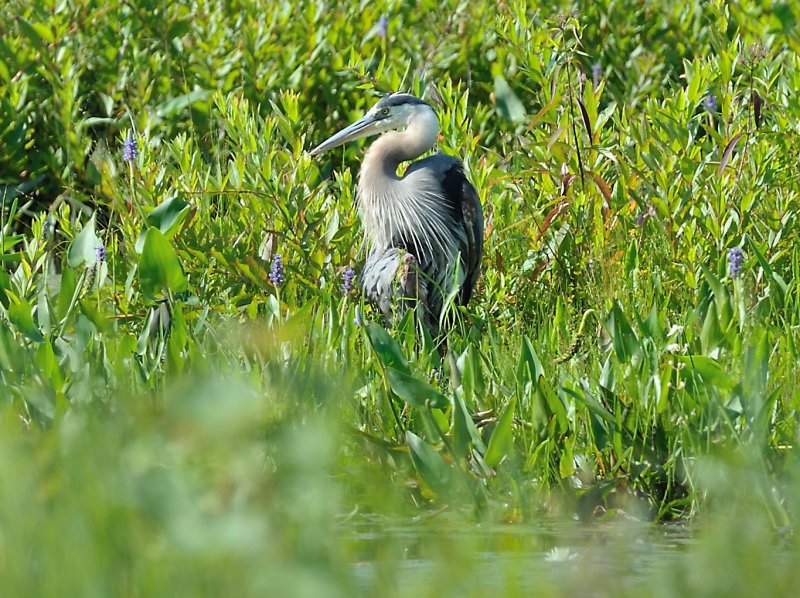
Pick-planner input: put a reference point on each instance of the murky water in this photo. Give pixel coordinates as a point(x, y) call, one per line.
point(514, 559)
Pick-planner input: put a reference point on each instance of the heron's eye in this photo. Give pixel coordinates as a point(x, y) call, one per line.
point(385, 112)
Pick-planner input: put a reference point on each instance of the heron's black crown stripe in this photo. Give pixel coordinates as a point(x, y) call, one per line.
point(399, 99)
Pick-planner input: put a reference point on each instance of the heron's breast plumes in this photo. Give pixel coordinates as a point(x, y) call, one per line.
point(409, 211)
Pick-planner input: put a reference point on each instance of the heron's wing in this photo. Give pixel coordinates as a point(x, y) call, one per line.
point(467, 212)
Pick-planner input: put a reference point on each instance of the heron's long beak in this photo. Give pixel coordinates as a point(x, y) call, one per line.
point(368, 125)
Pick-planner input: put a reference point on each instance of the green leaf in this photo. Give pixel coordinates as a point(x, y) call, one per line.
point(413, 391)
point(430, 466)
point(159, 268)
point(181, 102)
point(91, 312)
point(21, 315)
point(38, 34)
point(9, 241)
point(711, 335)
point(167, 218)
point(66, 292)
point(508, 104)
point(553, 404)
point(530, 367)
point(502, 441)
point(83, 249)
point(710, 371)
point(464, 431)
point(387, 349)
point(48, 364)
point(626, 344)
point(5, 285)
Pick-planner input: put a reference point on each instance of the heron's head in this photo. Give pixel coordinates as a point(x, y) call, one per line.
point(394, 111)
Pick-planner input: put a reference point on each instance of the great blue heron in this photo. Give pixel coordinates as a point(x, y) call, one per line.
point(423, 228)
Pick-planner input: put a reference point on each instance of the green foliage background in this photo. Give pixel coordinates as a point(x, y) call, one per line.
point(173, 421)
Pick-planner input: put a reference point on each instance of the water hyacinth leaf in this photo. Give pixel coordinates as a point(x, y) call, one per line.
point(48, 363)
point(167, 217)
point(726, 155)
point(566, 462)
point(387, 349)
point(710, 371)
point(430, 466)
point(530, 367)
point(21, 315)
point(67, 292)
point(464, 431)
point(711, 334)
point(508, 104)
point(502, 441)
point(626, 344)
point(756, 379)
point(94, 316)
point(159, 268)
point(83, 249)
point(413, 391)
point(553, 404)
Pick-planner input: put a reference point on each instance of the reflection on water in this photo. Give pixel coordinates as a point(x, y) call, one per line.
point(471, 559)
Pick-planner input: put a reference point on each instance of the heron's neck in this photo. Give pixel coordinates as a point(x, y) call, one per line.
point(382, 194)
point(389, 150)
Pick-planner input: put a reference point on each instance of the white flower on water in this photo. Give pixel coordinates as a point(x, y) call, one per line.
point(560, 554)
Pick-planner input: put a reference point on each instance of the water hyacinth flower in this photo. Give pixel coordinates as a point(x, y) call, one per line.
point(597, 72)
point(276, 272)
point(130, 148)
point(735, 262)
point(382, 28)
point(348, 277)
point(710, 102)
point(100, 253)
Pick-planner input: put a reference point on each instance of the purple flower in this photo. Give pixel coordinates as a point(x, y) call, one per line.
point(383, 26)
point(348, 276)
point(735, 262)
point(276, 273)
point(130, 148)
point(710, 102)
point(597, 72)
point(100, 253)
